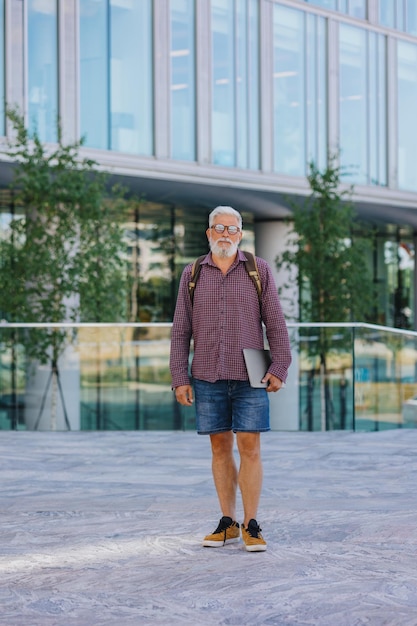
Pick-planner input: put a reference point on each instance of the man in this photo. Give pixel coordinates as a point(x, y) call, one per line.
point(225, 317)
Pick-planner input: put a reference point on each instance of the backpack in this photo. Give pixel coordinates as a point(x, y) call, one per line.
point(250, 266)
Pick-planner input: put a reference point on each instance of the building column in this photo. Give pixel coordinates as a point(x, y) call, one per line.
point(270, 239)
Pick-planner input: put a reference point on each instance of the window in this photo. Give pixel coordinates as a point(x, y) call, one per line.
point(116, 75)
point(235, 83)
point(94, 80)
point(411, 16)
point(399, 14)
point(407, 130)
point(355, 8)
point(43, 68)
point(182, 80)
point(363, 144)
point(387, 13)
point(300, 91)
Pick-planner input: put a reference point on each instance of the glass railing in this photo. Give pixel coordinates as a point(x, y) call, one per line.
point(116, 377)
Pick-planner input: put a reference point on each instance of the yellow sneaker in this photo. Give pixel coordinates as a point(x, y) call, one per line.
point(252, 538)
point(226, 532)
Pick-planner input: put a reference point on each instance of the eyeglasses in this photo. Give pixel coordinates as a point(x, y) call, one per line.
point(220, 228)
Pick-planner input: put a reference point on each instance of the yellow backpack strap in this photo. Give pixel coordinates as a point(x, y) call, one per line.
point(252, 269)
point(195, 273)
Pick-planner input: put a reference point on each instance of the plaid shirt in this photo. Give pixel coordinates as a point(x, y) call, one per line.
point(226, 318)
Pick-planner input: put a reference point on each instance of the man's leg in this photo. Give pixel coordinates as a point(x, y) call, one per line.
point(224, 472)
point(250, 473)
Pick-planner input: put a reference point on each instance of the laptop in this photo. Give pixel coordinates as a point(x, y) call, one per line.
point(257, 363)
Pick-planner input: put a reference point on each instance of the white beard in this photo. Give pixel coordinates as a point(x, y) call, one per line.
point(223, 253)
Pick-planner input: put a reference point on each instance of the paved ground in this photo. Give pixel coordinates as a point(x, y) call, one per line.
point(105, 529)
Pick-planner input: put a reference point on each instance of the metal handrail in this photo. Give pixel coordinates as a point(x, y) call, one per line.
point(5, 324)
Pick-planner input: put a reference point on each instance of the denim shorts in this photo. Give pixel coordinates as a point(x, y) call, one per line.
point(230, 405)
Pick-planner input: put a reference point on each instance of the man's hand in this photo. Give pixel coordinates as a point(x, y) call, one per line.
point(184, 395)
point(274, 383)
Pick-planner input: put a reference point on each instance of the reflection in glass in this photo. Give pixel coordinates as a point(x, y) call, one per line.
point(223, 83)
point(235, 83)
point(386, 13)
point(353, 111)
point(411, 12)
point(125, 380)
point(402, 15)
point(116, 75)
point(326, 4)
point(357, 8)
point(407, 129)
point(300, 87)
point(42, 62)
point(377, 93)
point(363, 142)
point(289, 91)
point(182, 80)
point(94, 80)
point(131, 76)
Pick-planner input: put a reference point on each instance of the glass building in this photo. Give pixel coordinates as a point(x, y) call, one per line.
point(192, 104)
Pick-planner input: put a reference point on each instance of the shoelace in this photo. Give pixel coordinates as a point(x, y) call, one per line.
point(254, 530)
point(222, 527)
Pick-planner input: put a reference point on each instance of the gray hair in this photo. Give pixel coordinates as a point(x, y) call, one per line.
point(225, 210)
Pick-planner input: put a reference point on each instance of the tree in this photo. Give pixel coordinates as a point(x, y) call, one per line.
point(62, 258)
point(334, 282)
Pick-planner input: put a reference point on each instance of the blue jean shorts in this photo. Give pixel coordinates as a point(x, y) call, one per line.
point(230, 405)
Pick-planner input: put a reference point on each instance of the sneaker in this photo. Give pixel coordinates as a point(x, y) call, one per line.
point(254, 542)
point(226, 532)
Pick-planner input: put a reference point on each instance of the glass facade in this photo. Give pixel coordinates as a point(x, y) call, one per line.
point(399, 14)
point(116, 97)
point(183, 122)
point(363, 102)
point(42, 63)
point(407, 130)
point(355, 8)
point(235, 83)
point(300, 91)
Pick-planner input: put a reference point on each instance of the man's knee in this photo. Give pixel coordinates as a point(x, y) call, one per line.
point(222, 443)
point(249, 446)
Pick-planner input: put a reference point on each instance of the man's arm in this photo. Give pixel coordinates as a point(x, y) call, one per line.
point(276, 329)
point(181, 334)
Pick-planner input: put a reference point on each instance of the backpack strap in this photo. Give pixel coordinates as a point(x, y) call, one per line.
point(195, 273)
point(251, 267)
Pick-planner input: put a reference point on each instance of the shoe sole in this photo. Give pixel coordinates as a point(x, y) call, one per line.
point(260, 548)
point(219, 544)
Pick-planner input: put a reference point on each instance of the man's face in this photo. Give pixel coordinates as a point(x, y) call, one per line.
point(224, 244)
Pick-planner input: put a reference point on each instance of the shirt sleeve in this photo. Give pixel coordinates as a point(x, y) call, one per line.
point(181, 333)
point(274, 320)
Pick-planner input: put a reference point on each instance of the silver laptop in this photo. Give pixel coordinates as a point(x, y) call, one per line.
point(257, 363)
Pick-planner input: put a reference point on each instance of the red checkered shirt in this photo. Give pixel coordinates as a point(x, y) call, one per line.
point(225, 318)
